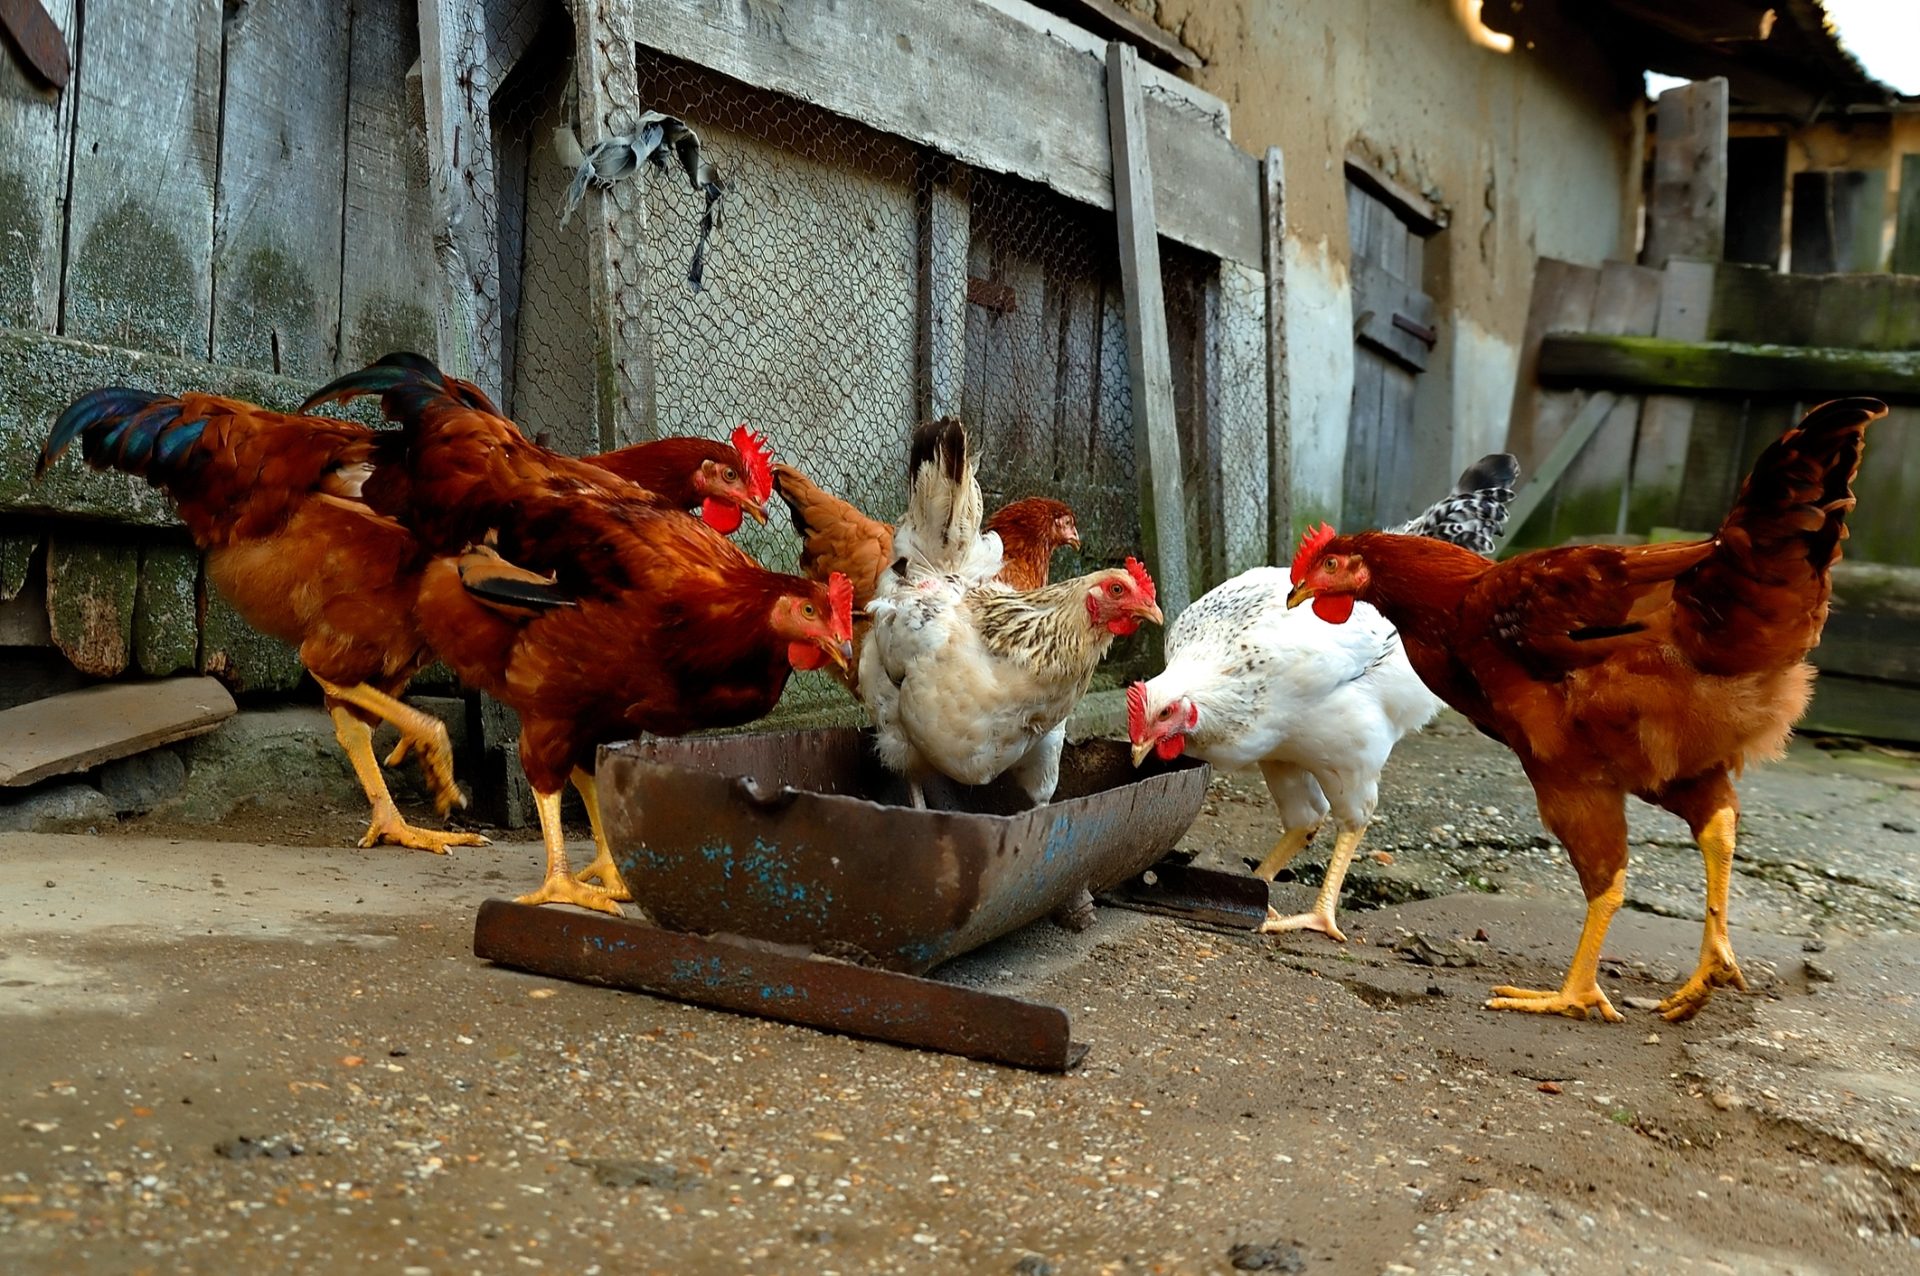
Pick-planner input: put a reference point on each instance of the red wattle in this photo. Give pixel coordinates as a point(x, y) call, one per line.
point(805, 656)
point(722, 516)
point(1123, 625)
point(1170, 747)
point(1335, 609)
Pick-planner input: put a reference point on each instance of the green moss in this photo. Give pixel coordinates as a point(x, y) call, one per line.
point(20, 234)
point(132, 283)
point(267, 315)
point(16, 555)
point(166, 621)
point(232, 651)
point(386, 325)
point(90, 589)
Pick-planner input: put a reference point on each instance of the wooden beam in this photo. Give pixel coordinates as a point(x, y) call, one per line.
point(1149, 364)
point(954, 76)
point(1906, 231)
point(1109, 21)
point(1534, 492)
point(1687, 211)
point(943, 289)
point(81, 729)
point(456, 91)
point(1727, 367)
point(1279, 422)
point(1666, 421)
point(1419, 212)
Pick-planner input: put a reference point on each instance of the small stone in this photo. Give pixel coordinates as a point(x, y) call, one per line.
point(1549, 1087)
point(1640, 1003)
point(1435, 990)
point(1481, 937)
point(1814, 945)
point(1384, 858)
point(1898, 826)
point(1275, 1257)
point(1724, 1101)
point(1653, 1039)
point(1034, 1265)
point(1422, 951)
point(621, 1175)
point(1817, 973)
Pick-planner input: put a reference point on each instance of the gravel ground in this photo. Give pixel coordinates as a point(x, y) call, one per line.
point(248, 1053)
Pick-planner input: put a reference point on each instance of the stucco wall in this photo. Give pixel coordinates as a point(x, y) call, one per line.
point(1527, 150)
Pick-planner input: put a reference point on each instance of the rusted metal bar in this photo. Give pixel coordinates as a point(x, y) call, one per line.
point(775, 983)
point(1195, 894)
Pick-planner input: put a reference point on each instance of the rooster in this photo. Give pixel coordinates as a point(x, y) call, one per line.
point(280, 505)
point(1657, 670)
point(724, 479)
point(589, 609)
point(963, 674)
point(1317, 707)
point(835, 536)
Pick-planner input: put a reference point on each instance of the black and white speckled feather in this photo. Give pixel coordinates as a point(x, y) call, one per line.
point(1474, 513)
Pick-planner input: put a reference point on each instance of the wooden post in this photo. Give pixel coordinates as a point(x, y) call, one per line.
point(1906, 227)
point(1666, 421)
point(453, 74)
point(609, 105)
point(1149, 366)
point(1279, 423)
point(940, 336)
point(1687, 211)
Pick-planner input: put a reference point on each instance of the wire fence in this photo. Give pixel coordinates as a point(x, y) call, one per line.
point(847, 284)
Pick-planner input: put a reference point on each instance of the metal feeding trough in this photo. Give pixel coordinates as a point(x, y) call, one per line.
point(787, 878)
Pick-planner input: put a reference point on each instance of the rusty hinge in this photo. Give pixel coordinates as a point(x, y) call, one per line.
point(992, 294)
point(1417, 330)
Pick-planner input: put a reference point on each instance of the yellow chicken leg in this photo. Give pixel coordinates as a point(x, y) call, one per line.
point(356, 737)
point(418, 731)
point(1291, 843)
point(559, 886)
point(1717, 967)
point(1321, 918)
point(1581, 991)
point(603, 867)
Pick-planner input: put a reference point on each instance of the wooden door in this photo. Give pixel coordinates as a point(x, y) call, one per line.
point(1393, 337)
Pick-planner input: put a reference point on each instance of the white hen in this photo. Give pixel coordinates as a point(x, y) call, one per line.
point(1317, 707)
point(964, 675)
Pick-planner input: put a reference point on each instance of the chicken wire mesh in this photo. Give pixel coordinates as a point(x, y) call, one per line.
point(851, 284)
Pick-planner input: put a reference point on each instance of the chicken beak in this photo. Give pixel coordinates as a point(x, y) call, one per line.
point(842, 654)
point(1152, 612)
point(1300, 594)
point(1141, 750)
point(757, 510)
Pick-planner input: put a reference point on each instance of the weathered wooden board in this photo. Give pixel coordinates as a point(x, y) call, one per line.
point(36, 132)
point(954, 76)
point(455, 90)
point(1655, 363)
point(1666, 421)
point(941, 329)
point(1906, 232)
point(43, 374)
point(1864, 707)
point(1687, 211)
point(166, 619)
point(1837, 220)
point(389, 273)
point(1279, 394)
point(1563, 297)
point(236, 654)
point(16, 557)
point(146, 137)
point(1156, 438)
point(277, 218)
point(81, 729)
point(90, 593)
point(1591, 497)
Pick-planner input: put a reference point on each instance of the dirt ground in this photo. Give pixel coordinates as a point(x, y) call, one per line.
point(257, 1054)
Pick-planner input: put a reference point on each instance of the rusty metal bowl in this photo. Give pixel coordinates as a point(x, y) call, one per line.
point(803, 838)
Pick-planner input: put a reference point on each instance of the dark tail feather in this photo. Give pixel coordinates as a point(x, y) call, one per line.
point(1767, 577)
point(1474, 514)
point(136, 431)
point(1495, 470)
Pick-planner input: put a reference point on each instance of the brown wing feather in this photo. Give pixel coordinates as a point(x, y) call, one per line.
point(834, 536)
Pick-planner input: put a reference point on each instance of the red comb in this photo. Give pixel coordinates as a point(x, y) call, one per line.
point(840, 597)
point(1310, 546)
point(1137, 712)
point(755, 456)
point(1140, 578)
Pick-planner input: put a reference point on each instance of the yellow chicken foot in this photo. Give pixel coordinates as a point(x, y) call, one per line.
point(356, 738)
point(603, 867)
point(418, 731)
point(1291, 843)
point(1717, 967)
point(559, 886)
point(1581, 991)
point(1321, 918)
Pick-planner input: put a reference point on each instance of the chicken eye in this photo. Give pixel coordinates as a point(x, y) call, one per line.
point(732, 477)
point(1165, 710)
point(1115, 589)
point(806, 609)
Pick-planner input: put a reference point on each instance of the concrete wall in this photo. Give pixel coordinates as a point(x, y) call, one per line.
point(1527, 150)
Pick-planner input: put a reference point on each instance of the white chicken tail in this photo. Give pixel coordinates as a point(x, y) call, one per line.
point(940, 532)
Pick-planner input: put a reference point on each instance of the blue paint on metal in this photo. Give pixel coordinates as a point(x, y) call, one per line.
point(784, 992)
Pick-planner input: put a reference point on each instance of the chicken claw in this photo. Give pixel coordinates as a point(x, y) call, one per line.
point(1322, 922)
point(390, 829)
point(602, 868)
point(1570, 1001)
point(562, 889)
point(1717, 970)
